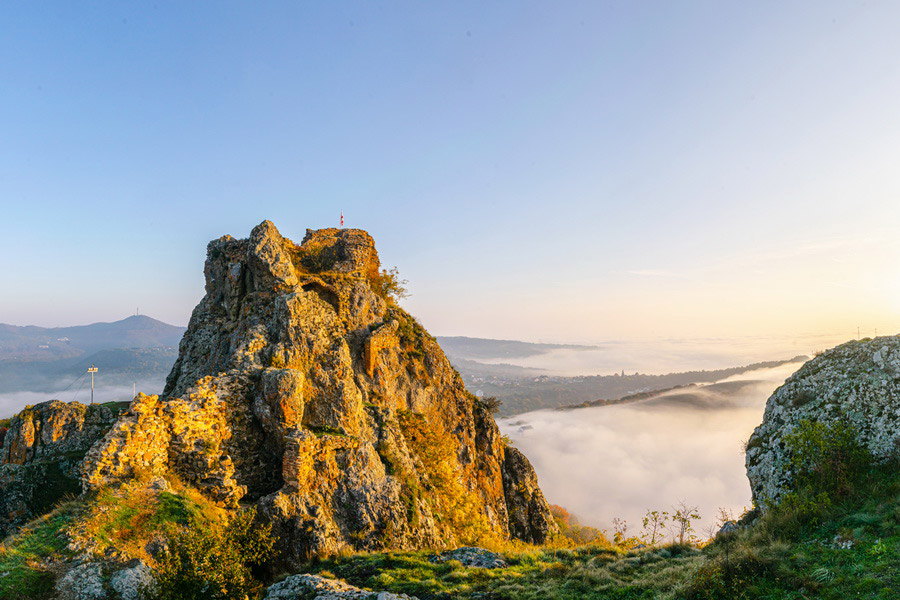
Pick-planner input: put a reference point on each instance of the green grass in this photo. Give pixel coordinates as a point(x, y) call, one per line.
point(23, 557)
point(127, 519)
point(847, 549)
point(787, 554)
point(551, 574)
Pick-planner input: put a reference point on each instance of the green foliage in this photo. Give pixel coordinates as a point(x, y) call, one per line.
point(214, 562)
point(413, 337)
point(592, 571)
point(681, 522)
point(23, 557)
point(654, 526)
point(491, 403)
point(388, 284)
point(812, 545)
point(826, 458)
point(5, 423)
point(126, 519)
point(320, 430)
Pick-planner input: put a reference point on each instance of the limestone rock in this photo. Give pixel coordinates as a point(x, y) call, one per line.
point(314, 587)
point(528, 520)
point(41, 454)
point(857, 383)
point(82, 582)
point(301, 386)
point(469, 556)
point(129, 582)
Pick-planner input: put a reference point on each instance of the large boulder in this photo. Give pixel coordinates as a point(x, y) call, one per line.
point(303, 387)
point(857, 383)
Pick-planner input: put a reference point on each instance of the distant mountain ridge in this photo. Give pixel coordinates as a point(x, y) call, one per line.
point(32, 343)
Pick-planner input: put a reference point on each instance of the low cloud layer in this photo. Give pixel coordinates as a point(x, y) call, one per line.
point(13, 402)
point(657, 357)
point(620, 461)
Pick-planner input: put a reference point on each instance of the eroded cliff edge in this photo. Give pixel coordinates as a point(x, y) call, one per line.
point(302, 387)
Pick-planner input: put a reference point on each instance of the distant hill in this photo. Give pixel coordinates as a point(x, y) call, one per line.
point(482, 348)
point(39, 361)
point(32, 343)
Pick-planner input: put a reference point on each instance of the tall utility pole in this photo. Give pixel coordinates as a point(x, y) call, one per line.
point(92, 370)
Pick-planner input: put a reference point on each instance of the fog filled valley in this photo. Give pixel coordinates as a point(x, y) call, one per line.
point(622, 460)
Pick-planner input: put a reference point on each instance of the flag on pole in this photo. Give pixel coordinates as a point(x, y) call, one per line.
point(342, 218)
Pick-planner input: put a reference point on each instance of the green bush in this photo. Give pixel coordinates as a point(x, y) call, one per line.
point(826, 458)
point(216, 562)
point(389, 285)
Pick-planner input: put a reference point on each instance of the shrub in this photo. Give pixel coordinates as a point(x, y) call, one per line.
point(217, 562)
point(491, 403)
point(389, 285)
point(826, 458)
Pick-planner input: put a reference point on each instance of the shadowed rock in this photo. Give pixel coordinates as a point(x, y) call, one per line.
point(41, 454)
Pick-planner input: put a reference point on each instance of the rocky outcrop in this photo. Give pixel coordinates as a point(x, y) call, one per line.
point(301, 386)
point(856, 383)
point(103, 580)
point(524, 499)
point(468, 556)
point(41, 453)
point(315, 587)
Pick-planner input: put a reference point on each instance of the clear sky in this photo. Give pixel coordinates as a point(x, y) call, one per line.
point(549, 170)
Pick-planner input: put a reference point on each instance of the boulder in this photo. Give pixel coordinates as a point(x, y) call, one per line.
point(857, 383)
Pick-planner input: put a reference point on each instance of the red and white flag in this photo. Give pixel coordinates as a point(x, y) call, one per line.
point(342, 218)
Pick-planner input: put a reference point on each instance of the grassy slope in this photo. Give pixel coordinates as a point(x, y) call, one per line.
point(24, 558)
point(124, 521)
point(850, 550)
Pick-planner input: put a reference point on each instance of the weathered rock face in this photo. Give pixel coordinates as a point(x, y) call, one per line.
point(856, 383)
point(41, 453)
point(302, 387)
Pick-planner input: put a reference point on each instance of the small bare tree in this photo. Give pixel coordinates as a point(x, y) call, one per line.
point(682, 518)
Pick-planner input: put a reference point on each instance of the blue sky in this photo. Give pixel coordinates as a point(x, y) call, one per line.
point(565, 171)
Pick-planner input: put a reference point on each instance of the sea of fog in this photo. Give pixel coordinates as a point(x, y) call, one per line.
point(660, 356)
point(13, 402)
point(623, 460)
